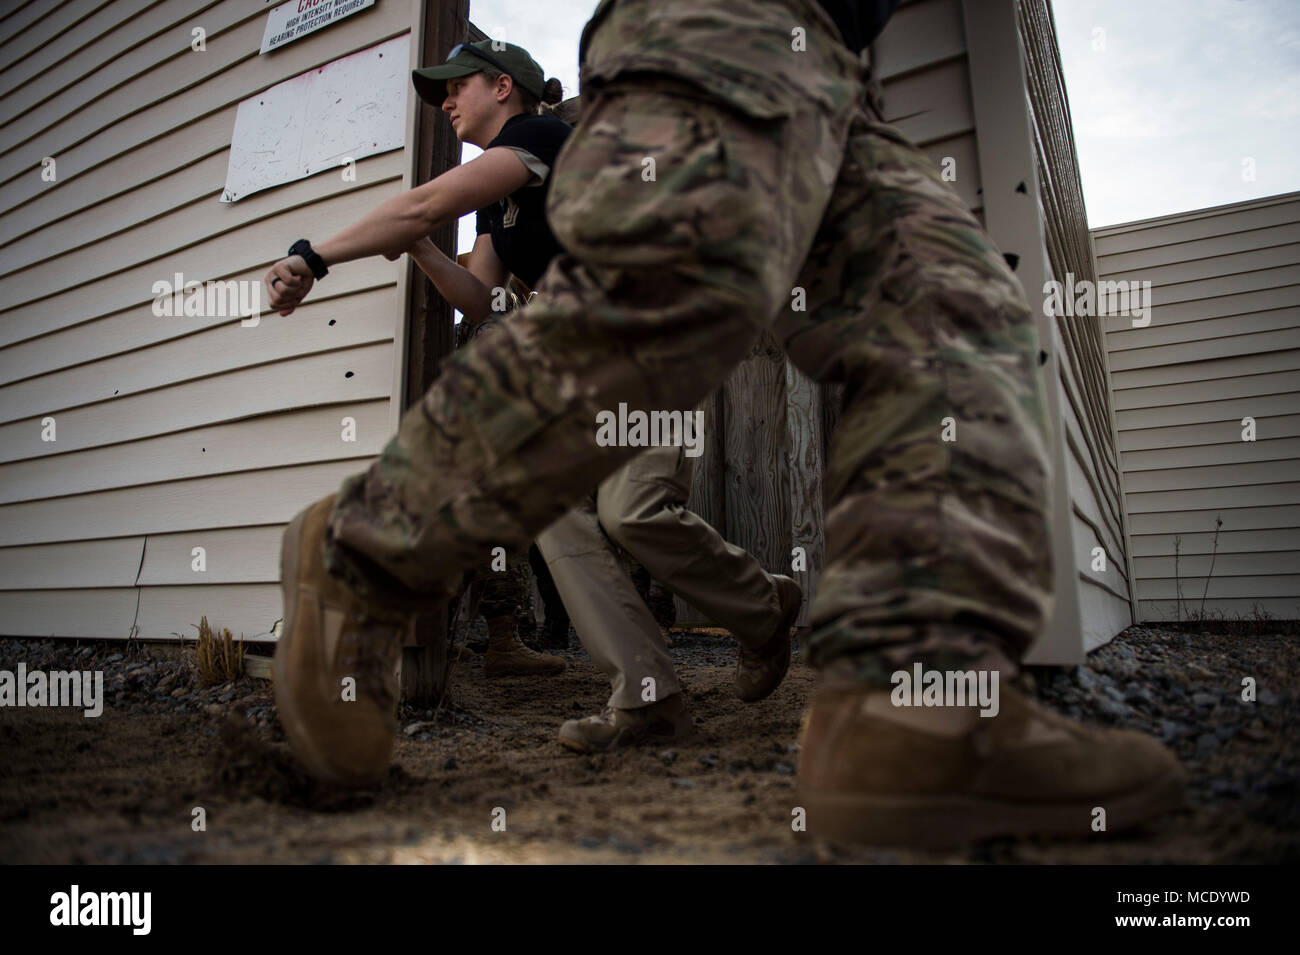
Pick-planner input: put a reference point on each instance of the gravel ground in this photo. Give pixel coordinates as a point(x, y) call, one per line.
point(122, 788)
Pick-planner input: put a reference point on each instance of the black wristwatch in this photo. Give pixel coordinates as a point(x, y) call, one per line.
point(314, 261)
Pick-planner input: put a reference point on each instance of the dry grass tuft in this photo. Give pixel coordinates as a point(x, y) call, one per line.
point(220, 659)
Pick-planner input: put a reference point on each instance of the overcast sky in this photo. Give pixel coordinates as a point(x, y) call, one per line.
point(1168, 100)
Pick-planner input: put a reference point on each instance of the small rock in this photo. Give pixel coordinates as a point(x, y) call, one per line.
point(451, 763)
point(668, 756)
point(178, 692)
point(113, 658)
point(1206, 742)
point(414, 728)
point(784, 769)
point(1267, 697)
point(684, 783)
point(214, 709)
point(1225, 733)
point(1203, 699)
point(709, 761)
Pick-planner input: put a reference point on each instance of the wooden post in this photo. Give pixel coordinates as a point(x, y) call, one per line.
point(429, 330)
point(804, 460)
point(756, 478)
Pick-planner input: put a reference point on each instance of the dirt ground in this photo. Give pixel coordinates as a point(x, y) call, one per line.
point(122, 788)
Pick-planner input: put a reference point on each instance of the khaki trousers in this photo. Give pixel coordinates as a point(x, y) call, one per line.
point(640, 508)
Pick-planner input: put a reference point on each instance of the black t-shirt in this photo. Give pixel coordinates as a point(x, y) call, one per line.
point(860, 21)
point(521, 236)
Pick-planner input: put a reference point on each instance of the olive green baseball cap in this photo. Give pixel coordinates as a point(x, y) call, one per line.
point(466, 58)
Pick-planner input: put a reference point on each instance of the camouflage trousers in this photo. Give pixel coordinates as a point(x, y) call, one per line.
point(721, 182)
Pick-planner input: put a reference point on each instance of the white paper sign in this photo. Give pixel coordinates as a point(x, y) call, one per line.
point(295, 19)
point(347, 109)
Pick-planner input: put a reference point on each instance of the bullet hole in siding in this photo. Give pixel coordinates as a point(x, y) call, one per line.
point(1021, 188)
point(204, 450)
point(1042, 357)
point(332, 321)
point(1012, 259)
point(114, 391)
point(348, 375)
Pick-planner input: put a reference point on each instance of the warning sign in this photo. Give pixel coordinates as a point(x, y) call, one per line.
point(295, 19)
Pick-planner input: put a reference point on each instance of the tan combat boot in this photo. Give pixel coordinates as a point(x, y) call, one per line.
point(760, 670)
point(507, 655)
point(335, 668)
point(943, 776)
point(664, 720)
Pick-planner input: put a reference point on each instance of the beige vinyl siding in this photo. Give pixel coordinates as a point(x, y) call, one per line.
point(942, 65)
point(1223, 344)
point(172, 433)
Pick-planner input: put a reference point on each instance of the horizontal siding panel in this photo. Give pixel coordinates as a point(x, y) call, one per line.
point(179, 210)
point(1254, 587)
point(1210, 329)
point(103, 563)
point(248, 610)
point(138, 327)
point(1212, 369)
point(229, 500)
point(301, 437)
point(1230, 542)
point(1209, 250)
point(1215, 306)
point(1243, 474)
point(220, 257)
point(197, 247)
point(133, 83)
point(1103, 615)
point(1191, 226)
point(1163, 611)
point(1220, 268)
point(99, 169)
point(1207, 455)
point(44, 23)
point(1253, 281)
point(1234, 518)
point(107, 612)
point(1269, 383)
point(165, 82)
point(1228, 433)
point(1209, 498)
point(340, 323)
point(1085, 539)
point(101, 38)
point(919, 35)
point(965, 156)
point(1203, 412)
point(242, 555)
point(19, 17)
point(266, 389)
point(1219, 565)
point(932, 104)
point(1214, 349)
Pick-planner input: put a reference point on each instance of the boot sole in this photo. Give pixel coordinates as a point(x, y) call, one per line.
point(294, 725)
point(945, 822)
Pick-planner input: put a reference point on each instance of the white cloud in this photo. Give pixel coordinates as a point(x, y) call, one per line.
point(1181, 93)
